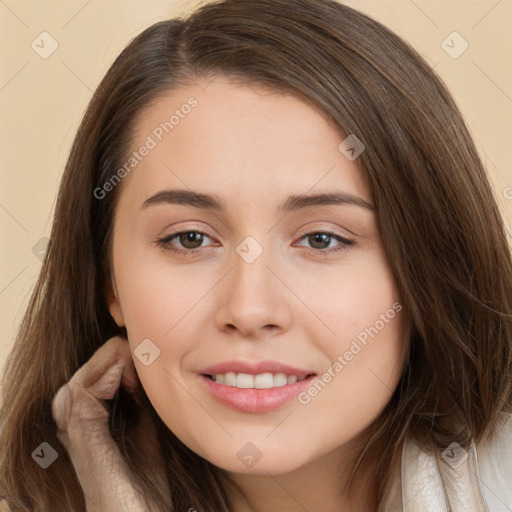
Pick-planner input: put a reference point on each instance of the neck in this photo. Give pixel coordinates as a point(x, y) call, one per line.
point(321, 484)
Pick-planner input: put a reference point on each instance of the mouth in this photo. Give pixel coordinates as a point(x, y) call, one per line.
point(265, 380)
point(260, 393)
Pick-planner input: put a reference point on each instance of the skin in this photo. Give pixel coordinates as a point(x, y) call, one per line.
point(82, 421)
point(293, 304)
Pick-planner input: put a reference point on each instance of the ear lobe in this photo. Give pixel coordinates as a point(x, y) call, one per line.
point(113, 303)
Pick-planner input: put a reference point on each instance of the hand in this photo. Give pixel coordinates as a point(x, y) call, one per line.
point(82, 427)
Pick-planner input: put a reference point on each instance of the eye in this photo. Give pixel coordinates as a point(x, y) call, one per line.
point(321, 241)
point(191, 241)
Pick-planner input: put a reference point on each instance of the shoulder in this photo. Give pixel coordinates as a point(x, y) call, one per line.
point(495, 466)
point(459, 480)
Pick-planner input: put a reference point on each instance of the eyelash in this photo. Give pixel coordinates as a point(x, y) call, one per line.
point(344, 245)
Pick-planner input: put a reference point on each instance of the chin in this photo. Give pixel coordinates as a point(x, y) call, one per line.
point(248, 459)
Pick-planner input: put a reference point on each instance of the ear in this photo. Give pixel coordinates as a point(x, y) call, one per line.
point(113, 302)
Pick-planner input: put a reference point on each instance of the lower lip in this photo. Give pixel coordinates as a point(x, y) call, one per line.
point(255, 400)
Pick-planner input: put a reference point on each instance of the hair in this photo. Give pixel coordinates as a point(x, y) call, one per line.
point(438, 218)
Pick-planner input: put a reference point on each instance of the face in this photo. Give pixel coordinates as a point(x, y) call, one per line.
point(286, 300)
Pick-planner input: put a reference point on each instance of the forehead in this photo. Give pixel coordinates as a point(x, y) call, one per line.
point(240, 138)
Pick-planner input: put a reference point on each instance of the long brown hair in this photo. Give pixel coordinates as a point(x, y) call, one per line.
point(439, 222)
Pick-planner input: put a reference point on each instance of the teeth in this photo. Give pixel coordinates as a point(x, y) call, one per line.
point(244, 380)
point(264, 381)
point(230, 379)
point(260, 381)
point(280, 379)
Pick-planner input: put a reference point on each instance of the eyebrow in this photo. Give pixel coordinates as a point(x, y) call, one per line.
point(292, 203)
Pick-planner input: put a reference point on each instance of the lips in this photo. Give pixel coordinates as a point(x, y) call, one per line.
point(256, 368)
point(255, 399)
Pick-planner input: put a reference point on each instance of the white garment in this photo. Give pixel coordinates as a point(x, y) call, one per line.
point(477, 480)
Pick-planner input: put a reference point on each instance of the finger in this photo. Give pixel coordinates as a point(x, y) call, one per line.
point(82, 422)
point(109, 365)
point(61, 407)
point(95, 381)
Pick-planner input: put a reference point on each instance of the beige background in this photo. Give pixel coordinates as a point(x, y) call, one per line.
point(42, 100)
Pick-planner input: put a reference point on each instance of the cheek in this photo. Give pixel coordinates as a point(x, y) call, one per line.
point(347, 302)
point(357, 383)
point(165, 303)
point(159, 298)
point(362, 338)
point(360, 380)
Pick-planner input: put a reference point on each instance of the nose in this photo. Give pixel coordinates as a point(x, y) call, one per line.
point(253, 300)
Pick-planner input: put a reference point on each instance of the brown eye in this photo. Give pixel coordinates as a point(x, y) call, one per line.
point(320, 242)
point(190, 241)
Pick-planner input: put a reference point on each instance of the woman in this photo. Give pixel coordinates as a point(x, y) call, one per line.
point(262, 371)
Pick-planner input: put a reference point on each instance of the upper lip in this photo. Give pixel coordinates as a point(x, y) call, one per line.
point(255, 368)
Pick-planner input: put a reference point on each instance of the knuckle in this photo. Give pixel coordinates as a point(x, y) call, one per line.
point(61, 406)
